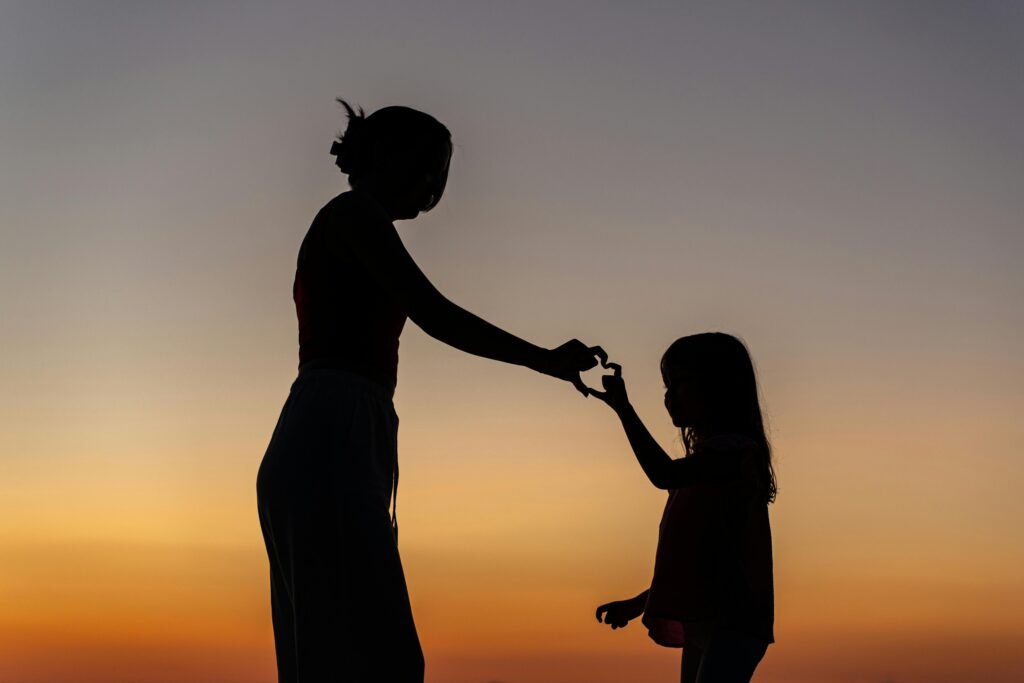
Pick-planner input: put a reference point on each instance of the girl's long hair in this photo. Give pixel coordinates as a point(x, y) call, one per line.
point(723, 378)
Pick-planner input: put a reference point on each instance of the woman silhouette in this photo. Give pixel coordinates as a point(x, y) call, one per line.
point(330, 472)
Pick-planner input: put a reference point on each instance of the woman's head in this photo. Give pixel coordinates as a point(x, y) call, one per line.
point(711, 389)
point(398, 154)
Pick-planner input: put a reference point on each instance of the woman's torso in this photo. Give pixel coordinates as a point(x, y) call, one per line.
point(346, 319)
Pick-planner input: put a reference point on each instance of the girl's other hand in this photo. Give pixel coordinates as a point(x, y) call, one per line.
point(619, 613)
point(614, 393)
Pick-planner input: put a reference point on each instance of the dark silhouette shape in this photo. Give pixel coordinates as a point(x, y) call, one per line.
point(712, 590)
point(340, 604)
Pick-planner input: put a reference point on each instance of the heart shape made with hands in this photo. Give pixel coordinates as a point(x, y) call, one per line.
point(591, 379)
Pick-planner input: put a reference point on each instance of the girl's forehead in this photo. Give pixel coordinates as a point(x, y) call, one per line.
point(679, 373)
point(678, 366)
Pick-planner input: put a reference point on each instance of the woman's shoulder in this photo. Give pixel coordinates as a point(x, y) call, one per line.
point(352, 208)
point(346, 214)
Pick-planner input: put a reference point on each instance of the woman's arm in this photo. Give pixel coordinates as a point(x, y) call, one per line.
point(376, 243)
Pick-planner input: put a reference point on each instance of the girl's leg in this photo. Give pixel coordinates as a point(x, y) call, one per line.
point(691, 664)
point(730, 658)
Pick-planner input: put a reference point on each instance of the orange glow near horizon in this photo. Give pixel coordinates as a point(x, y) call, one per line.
point(501, 590)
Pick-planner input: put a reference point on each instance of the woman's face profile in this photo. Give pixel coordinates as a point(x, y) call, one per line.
point(432, 183)
point(415, 183)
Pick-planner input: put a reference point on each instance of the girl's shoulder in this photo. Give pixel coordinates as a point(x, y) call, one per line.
point(728, 444)
point(736, 455)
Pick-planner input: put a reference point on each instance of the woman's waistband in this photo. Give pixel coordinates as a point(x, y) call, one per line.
point(330, 367)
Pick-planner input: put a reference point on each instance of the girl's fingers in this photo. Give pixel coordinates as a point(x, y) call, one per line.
point(600, 353)
point(616, 368)
point(580, 386)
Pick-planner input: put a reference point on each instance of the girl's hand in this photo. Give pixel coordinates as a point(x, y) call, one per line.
point(614, 393)
point(619, 613)
point(570, 359)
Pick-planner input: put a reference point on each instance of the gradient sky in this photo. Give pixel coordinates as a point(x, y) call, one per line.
point(840, 184)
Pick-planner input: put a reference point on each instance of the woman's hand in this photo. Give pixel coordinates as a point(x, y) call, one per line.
point(569, 360)
point(614, 393)
point(619, 613)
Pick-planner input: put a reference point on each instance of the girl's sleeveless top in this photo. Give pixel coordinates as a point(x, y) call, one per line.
point(346, 319)
point(713, 566)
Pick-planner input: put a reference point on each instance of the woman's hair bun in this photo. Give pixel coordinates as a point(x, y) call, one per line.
point(350, 147)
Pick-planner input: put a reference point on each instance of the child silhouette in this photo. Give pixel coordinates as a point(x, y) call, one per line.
point(711, 593)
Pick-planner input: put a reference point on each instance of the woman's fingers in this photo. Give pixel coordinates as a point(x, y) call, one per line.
point(614, 386)
point(580, 386)
point(615, 367)
point(580, 357)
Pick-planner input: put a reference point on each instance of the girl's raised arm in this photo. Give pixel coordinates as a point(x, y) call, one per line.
point(661, 469)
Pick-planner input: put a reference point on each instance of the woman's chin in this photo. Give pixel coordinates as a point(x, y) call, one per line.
point(410, 212)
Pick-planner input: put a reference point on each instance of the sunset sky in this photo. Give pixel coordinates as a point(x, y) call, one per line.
point(839, 184)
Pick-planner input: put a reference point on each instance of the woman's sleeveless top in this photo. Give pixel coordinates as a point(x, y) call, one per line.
point(346, 319)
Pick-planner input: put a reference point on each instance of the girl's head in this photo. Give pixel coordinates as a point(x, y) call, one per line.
point(710, 389)
point(400, 155)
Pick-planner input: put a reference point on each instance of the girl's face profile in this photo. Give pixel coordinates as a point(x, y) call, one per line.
point(681, 397)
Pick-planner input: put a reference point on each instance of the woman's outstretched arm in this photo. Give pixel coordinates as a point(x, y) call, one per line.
point(373, 238)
